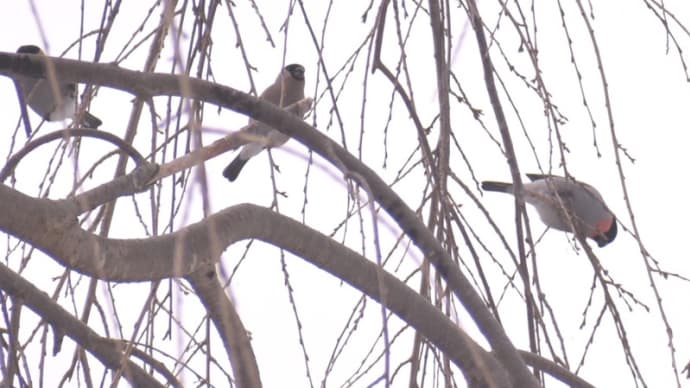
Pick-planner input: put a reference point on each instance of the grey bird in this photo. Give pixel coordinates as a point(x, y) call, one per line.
point(39, 95)
point(558, 199)
point(286, 90)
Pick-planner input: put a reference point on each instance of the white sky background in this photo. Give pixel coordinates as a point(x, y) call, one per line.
point(650, 106)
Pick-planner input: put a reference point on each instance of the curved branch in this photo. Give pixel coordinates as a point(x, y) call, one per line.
point(9, 167)
point(47, 309)
point(192, 249)
point(150, 84)
point(141, 84)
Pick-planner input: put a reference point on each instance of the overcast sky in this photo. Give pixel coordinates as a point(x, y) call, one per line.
point(649, 100)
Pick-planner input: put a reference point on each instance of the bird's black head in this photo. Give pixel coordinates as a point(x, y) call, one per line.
point(608, 236)
point(29, 49)
point(296, 71)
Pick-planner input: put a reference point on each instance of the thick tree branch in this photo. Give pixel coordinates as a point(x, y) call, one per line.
point(229, 325)
point(150, 84)
point(189, 250)
point(103, 349)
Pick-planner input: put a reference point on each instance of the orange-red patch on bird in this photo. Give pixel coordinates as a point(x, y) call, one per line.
point(604, 225)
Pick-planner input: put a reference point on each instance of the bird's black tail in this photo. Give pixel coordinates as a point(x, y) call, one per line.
point(501, 187)
point(233, 169)
point(91, 121)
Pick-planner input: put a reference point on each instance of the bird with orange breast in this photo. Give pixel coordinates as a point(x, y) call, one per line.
point(564, 203)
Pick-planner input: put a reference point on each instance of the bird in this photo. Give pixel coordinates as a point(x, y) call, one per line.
point(40, 96)
point(287, 89)
point(562, 203)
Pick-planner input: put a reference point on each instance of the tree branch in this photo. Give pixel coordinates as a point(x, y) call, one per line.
point(150, 84)
point(229, 325)
point(189, 249)
point(103, 349)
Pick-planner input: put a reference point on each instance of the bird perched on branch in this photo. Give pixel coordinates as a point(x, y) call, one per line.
point(51, 105)
point(563, 203)
point(286, 90)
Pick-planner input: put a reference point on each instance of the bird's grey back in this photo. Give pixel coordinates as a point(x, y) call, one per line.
point(568, 192)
